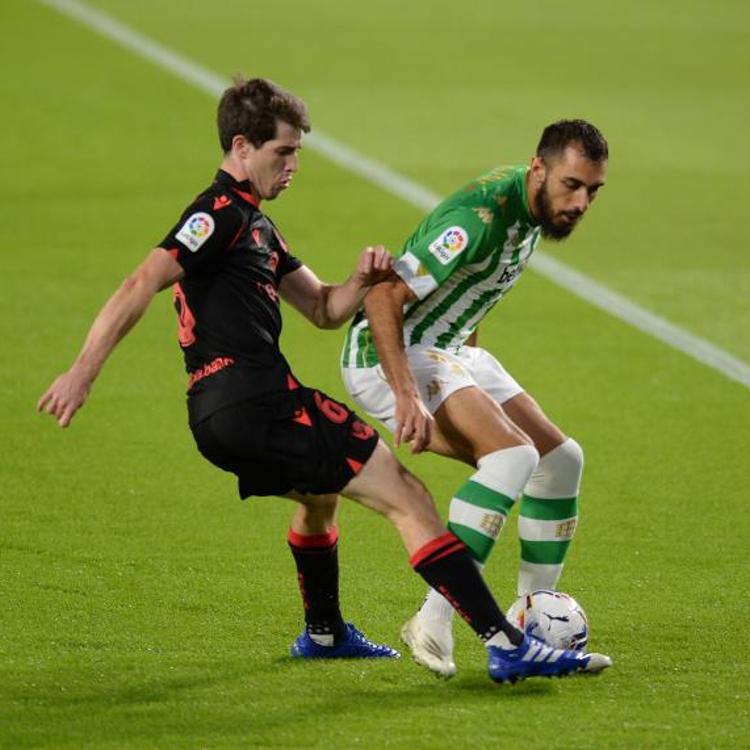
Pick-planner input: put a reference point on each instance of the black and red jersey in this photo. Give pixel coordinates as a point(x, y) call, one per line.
point(229, 321)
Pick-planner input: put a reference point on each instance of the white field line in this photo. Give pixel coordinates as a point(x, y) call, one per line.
point(378, 174)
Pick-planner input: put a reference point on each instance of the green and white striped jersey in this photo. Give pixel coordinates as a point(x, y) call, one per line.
point(459, 262)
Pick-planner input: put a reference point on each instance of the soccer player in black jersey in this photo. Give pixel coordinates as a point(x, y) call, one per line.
point(228, 266)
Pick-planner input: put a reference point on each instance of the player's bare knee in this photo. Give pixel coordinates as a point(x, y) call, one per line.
point(416, 512)
point(410, 499)
point(418, 497)
point(510, 436)
point(409, 479)
point(523, 439)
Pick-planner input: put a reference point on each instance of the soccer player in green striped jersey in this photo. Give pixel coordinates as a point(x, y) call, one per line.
point(411, 361)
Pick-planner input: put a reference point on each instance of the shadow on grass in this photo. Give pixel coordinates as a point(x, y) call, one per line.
point(387, 680)
point(471, 680)
point(106, 695)
point(263, 704)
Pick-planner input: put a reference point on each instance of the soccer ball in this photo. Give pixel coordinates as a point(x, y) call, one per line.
point(552, 617)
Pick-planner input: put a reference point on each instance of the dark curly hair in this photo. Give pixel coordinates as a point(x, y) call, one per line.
point(253, 107)
point(561, 134)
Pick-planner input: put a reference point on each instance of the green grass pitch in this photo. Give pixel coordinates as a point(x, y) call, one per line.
point(142, 605)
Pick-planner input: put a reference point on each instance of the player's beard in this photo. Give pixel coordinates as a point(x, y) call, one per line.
point(550, 230)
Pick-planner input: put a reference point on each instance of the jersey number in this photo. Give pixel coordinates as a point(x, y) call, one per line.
point(335, 412)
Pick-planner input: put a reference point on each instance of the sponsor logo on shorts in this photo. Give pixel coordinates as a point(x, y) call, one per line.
point(455, 368)
point(449, 244)
point(196, 230)
point(433, 388)
point(437, 356)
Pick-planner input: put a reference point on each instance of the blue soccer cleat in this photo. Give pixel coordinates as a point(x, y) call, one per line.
point(353, 646)
point(533, 658)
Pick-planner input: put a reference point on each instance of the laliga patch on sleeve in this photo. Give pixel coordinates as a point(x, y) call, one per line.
point(196, 230)
point(449, 244)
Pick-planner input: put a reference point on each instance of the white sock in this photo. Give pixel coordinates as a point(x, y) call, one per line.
point(500, 640)
point(322, 639)
point(548, 517)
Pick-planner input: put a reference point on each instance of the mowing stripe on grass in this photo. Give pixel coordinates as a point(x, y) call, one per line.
point(561, 274)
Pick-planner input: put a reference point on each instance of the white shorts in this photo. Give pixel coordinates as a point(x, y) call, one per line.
point(438, 374)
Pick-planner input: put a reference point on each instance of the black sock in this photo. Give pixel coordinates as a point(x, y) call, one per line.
point(448, 568)
point(316, 557)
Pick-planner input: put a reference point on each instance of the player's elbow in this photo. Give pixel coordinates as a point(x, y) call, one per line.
point(324, 316)
point(139, 284)
point(327, 322)
point(131, 283)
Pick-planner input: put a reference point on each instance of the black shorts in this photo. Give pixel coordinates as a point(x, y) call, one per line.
point(298, 440)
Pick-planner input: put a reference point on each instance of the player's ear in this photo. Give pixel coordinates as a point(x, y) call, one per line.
point(241, 146)
point(538, 170)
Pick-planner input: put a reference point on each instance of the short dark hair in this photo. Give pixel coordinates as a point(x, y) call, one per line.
point(561, 134)
point(253, 107)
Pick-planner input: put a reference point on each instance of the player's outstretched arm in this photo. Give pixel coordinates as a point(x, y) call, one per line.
point(384, 306)
point(121, 312)
point(329, 306)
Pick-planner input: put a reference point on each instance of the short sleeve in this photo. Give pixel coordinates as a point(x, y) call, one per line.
point(431, 257)
point(287, 261)
point(288, 264)
point(204, 232)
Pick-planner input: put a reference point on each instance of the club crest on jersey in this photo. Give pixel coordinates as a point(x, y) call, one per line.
point(449, 244)
point(196, 230)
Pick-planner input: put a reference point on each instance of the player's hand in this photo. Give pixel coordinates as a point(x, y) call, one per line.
point(65, 396)
point(413, 422)
point(374, 265)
